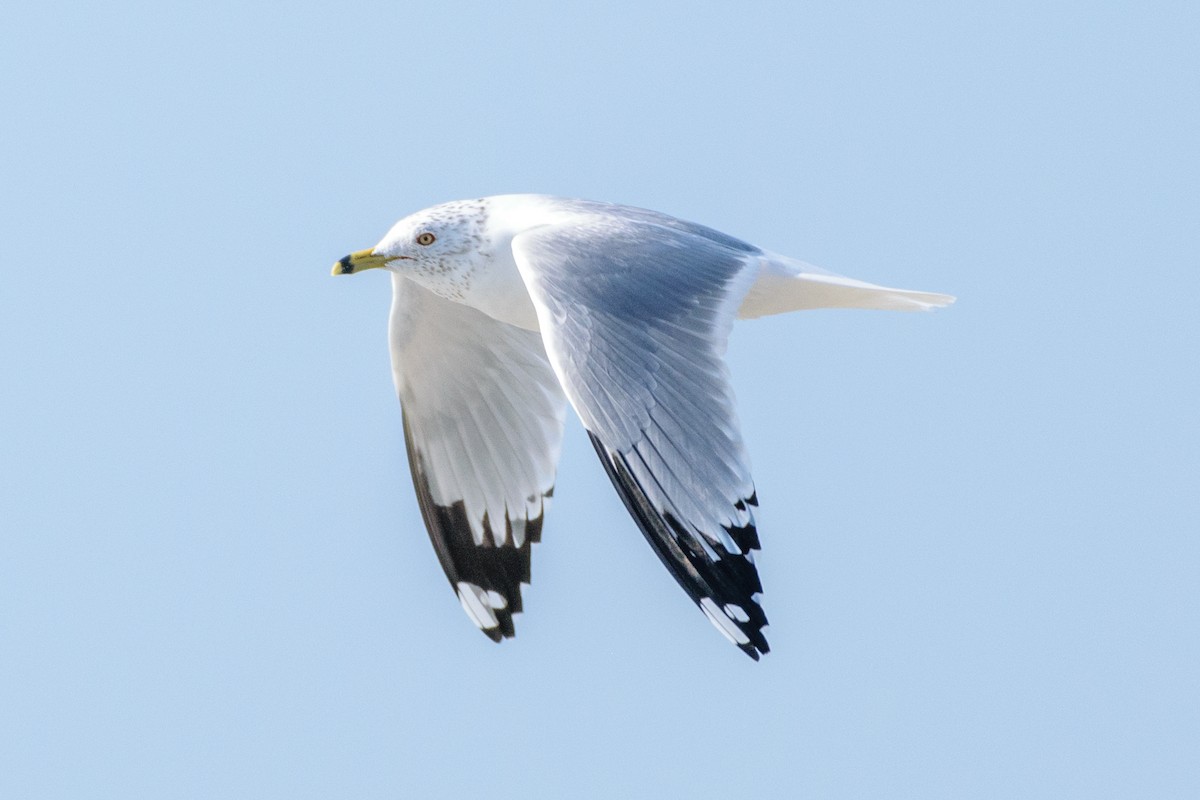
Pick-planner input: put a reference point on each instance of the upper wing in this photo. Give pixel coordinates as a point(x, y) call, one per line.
point(635, 316)
point(483, 421)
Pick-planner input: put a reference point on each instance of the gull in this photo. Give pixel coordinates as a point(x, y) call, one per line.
point(507, 309)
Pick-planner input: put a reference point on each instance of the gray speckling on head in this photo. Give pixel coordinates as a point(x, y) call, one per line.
point(461, 244)
point(462, 221)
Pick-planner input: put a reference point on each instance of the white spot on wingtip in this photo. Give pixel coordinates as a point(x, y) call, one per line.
point(737, 612)
point(722, 622)
point(496, 600)
point(475, 602)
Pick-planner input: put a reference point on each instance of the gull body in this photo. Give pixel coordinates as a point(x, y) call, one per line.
point(507, 308)
point(472, 261)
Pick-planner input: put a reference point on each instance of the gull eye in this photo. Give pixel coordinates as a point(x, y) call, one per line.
point(426, 238)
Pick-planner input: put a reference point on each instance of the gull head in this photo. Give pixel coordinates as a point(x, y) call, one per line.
point(442, 246)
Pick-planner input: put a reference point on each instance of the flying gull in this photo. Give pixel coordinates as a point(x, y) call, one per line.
point(506, 309)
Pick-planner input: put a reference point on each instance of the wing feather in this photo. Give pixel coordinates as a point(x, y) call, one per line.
point(635, 315)
point(483, 420)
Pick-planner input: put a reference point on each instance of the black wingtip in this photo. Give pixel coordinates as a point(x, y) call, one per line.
point(724, 589)
point(481, 568)
point(758, 648)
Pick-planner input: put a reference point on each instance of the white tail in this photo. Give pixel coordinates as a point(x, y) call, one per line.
point(785, 284)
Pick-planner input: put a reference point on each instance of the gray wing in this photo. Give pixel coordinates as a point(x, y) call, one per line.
point(635, 316)
point(483, 421)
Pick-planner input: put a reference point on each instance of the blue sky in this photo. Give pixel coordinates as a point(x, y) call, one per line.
point(980, 525)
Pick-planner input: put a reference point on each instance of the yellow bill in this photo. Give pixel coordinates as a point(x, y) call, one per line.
point(357, 262)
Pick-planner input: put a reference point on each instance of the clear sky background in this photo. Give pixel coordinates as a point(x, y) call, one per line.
point(980, 525)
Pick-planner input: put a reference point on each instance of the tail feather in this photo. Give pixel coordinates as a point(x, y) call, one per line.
point(785, 284)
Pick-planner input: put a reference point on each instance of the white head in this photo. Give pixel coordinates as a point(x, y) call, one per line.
point(441, 248)
point(461, 251)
